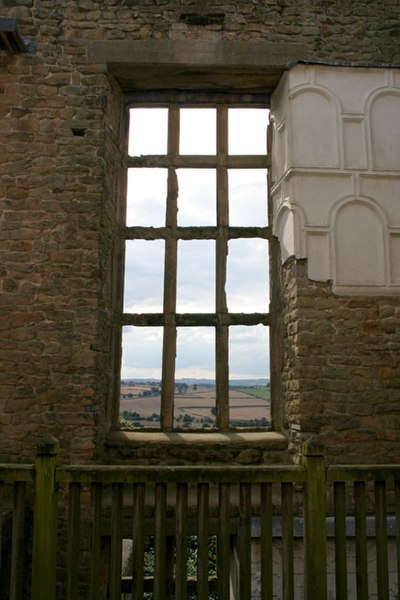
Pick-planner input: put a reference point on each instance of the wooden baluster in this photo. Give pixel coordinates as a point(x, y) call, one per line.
point(138, 541)
point(160, 573)
point(245, 542)
point(287, 542)
point(202, 540)
point(94, 589)
point(382, 565)
point(266, 541)
point(17, 543)
point(223, 551)
point(2, 486)
point(181, 541)
point(361, 540)
point(73, 540)
point(340, 540)
point(397, 508)
point(116, 541)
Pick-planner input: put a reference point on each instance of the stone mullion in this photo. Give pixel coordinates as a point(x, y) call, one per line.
point(222, 330)
point(170, 276)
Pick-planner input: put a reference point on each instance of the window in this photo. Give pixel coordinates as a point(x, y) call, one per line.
point(194, 322)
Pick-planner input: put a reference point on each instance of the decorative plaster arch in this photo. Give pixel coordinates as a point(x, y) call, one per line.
point(288, 227)
point(318, 112)
point(359, 245)
point(383, 123)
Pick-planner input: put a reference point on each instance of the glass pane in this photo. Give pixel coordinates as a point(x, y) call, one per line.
point(196, 276)
point(249, 389)
point(197, 197)
point(198, 131)
point(195, 378)
point(247, 130)
point(148, 131)
point(140, 398)
point(146, 197)
point(144, 276)
point(247, 276)
point(248, 201)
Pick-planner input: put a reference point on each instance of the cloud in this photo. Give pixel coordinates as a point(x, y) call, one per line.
point(197, 197)
point(146, 197)
point(141, 352)
point(248, 198)
point(196, 276)
point(195, 352)
point(148, 130)
point(247, 130)
point(144, 276)
point(248, 352)
point(247, 275)
point(197, 131)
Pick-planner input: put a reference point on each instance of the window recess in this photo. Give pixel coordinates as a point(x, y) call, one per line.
point(196, 266)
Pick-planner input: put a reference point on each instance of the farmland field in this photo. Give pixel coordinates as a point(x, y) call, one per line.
point(194, 406)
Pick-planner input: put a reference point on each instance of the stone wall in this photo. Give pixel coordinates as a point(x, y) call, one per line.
point(342, 370)
point(335, 198)
point(356, 31)
point(62, 137)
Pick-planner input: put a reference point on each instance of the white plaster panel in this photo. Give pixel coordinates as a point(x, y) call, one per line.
point(386, 192)
point(342, 136)
point(396, 77)
point(314, 135)
point(317, 246)
point(318, 192)
point(350, 86)
point(395, 259)
point(385, 131)
point(359, 245)
point(354, 144)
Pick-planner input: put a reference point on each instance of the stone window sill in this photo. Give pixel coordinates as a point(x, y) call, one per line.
point(265, 439)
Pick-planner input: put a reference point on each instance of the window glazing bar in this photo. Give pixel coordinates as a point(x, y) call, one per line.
point(222, 331)
point(171, 249)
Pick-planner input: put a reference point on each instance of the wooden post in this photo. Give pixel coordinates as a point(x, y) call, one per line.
point(315, 580)
point(44, 525)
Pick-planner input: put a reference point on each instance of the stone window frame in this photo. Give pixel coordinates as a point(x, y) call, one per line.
point(199, 65)
point(221, 319)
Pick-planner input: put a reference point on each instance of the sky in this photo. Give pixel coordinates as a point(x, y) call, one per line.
point(247, 265)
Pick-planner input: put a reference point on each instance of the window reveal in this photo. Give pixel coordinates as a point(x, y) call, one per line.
point(189, 256)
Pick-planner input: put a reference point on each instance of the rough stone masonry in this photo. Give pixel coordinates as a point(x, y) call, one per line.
point(63, 139)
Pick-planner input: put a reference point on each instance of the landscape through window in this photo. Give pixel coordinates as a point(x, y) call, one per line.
point(195, 321)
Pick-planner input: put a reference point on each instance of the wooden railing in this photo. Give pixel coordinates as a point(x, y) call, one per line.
point(16, 484)
point(95, 529)
point(368, 492)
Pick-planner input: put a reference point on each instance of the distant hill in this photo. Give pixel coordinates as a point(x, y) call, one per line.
point(192, 381)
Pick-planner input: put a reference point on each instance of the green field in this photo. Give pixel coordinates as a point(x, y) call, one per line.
point(263, 392)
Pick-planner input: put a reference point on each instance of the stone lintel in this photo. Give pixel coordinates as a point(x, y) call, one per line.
point(195, 64)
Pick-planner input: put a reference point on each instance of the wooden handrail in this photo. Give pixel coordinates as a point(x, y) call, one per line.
point(180, 474)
